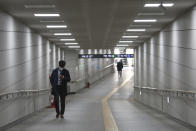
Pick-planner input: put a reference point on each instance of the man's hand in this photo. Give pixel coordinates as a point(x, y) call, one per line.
point(62, 77)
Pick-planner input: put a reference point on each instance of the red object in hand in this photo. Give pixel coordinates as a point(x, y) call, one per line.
point(88, 85)
point(52, 102)
point(52, 105)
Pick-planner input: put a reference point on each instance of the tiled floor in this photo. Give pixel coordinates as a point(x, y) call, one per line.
point(84, 112)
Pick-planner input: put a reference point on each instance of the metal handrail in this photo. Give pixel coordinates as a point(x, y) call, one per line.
point(169, 91)
point(21, 93)
point(107, 67)
point(79, 80)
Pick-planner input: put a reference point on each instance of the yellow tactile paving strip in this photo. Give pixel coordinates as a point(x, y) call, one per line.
point(109, 122)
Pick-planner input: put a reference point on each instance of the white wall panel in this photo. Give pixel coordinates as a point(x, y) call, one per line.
point(85, 70)
point(167, 61)
point(26, 62)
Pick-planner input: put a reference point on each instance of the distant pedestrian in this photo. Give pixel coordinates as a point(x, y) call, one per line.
point(58, 80)
point(119, 68)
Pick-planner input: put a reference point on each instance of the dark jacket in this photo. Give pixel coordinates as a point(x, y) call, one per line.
point(119, 66)
point(54, 80)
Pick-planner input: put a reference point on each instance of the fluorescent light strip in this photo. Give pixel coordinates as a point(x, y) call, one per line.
point(146, 20)
point(168, 4)
point(73, 46)
point(136, 30)
point(152, 5)
point(122, 45)
point(39, 6)
point(56, 26)
point(121, 41)
point(67, 39)
point(158, 13)
point(60, 34)
point(46, 15)
point(158, 4)
point(130, 36)
point(71, 43)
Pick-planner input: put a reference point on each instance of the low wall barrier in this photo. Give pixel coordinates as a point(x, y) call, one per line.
point(168, 92)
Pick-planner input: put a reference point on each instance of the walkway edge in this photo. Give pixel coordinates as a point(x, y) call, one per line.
point(109, 121)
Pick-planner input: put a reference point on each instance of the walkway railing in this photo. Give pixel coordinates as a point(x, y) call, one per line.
point(168, 92)
point(79, 80)
point(83, 82)
point(22, 93)
point(27, 93)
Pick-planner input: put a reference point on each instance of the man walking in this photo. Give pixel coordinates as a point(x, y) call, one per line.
point(58, 80)
point(119, 68)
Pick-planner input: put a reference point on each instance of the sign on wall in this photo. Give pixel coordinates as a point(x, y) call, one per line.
point(106, 55)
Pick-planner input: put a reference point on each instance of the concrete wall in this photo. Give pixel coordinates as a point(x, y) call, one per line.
point(167, 61)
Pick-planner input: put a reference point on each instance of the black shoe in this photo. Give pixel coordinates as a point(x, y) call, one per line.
point(57, 115)
point(62, 116)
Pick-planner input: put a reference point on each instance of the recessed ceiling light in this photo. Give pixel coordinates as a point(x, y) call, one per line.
point(122, 45)
point(121, 41)
point(73, 46)
point(146, 20)
point(67, 39)
point(71, 43)
point(46, 15)
point(58, 34)
point(48, 21)
point(130, 36)
point(152, 5)
point(56, 26)
point(156, 13)
point(39, 6)
point(168, 4)
point(158, 4)
point(139, 30)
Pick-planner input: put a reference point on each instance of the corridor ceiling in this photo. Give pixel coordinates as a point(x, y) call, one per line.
point(95, 24)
